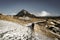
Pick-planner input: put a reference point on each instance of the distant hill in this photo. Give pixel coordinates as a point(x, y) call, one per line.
point(24, 13)
point(1, 14)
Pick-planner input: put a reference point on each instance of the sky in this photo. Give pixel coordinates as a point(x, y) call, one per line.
point(36, 7)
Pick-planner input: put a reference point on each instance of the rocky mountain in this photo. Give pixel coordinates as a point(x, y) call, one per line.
point(24, 13)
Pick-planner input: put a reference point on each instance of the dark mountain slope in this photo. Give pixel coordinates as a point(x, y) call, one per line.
point(24, 13)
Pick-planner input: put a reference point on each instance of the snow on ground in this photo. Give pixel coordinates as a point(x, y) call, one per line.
point(15, 31)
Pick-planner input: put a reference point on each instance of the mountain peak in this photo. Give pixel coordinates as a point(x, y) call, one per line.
point(24, 13)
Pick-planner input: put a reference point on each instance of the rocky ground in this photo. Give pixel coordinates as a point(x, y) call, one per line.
point(12, 28)
point(14, 31)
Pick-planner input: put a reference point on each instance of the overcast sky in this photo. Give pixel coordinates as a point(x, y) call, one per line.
point(37, 7)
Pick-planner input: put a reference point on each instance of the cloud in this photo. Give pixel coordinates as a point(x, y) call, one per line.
point(46, 13)
point(42, 13)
